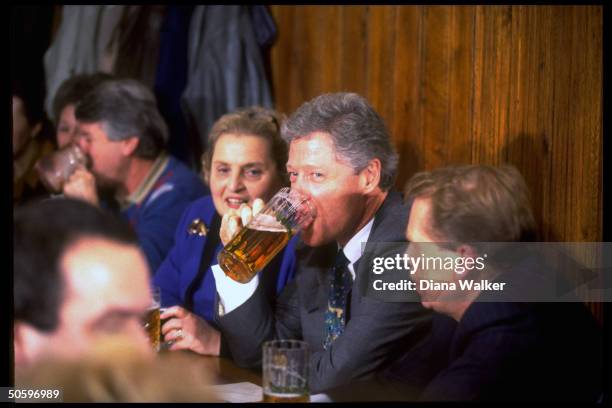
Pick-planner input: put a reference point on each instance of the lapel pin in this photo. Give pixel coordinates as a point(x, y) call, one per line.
point(197, 227)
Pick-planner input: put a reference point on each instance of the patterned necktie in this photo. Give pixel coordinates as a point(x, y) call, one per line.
point(340, 283)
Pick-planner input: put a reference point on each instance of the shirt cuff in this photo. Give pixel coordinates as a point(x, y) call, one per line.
point(231, 293)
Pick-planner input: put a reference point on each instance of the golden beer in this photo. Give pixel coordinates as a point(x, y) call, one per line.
point(279, 397)
point(152, 326)
point(253, 248)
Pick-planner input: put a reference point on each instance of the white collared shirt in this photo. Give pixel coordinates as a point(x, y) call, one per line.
point(233, 294)
point(353, 249)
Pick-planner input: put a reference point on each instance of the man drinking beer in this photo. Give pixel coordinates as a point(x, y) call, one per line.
point(341, 157)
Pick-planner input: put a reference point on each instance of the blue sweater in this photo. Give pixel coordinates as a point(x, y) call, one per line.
point(180, 268)
point(155, 208)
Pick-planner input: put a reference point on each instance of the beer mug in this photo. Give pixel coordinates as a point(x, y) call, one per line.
point(265, 235)
point(163, 344)
point(55, 168)
point(151, 322)
point(285, 365)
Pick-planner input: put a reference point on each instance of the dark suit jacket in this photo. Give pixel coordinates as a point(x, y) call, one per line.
point(510, 351)
point(522, 352)
point(375, 331)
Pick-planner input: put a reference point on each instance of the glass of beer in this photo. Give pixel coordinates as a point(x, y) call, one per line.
point(265, 235)
point(56, 167)
point(164, 345)
point(286, 365)
point(151, 321)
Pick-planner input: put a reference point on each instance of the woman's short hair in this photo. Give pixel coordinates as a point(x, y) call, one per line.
point(256, 121)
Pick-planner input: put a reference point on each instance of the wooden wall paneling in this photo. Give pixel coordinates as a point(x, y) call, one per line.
point(529, 149)
point(536, 165)
point(352, 48)
point(585, 129)
point(435, 79)
point(461, 54)
point(557, 199)
point(574, 183)
point(284, 77)
point(406, 126)
point(477, 88)
point(327, 34)
point(531, 80)
point(308, 61)
point(482, 84)
point(491, 96)
point(380, 90)
point(593, 127)
point(543, 84)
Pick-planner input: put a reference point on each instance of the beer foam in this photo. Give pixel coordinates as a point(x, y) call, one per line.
point(267, 222)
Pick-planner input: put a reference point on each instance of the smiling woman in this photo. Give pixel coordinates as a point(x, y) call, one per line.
point(241, 170)
point(245, 161)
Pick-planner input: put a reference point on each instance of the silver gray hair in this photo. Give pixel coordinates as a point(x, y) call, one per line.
point(357, 130)
point(126, 108)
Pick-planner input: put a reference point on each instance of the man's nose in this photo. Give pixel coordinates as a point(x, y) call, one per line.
point(300, 186)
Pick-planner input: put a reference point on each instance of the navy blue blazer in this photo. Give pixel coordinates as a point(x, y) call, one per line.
point(181, 266)
point(509, 351)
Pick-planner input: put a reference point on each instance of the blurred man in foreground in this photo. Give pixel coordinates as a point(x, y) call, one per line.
point(78, 276)
point(114, 370)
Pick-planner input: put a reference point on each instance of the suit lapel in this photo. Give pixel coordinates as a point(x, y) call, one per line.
point(316, 263)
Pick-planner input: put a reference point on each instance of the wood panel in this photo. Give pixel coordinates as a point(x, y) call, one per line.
point(354, 34)
point(381, 59)
point(406, 128)
point(467, 84)
point(434, 84)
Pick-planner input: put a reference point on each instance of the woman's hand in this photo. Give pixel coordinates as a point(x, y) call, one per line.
point(234, 220)
point(188, 331)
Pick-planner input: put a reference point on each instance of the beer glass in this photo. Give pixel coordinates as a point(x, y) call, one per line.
point(286, 365)
point(56, 167)
point(163, 345)
point(151, 321)
point(265, 235)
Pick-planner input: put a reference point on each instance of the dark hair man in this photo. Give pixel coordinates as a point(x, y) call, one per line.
point(78, 276)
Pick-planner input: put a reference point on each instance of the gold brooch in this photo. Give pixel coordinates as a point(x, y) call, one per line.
point(197, 227)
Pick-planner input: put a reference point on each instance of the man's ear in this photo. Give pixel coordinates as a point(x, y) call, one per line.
point(369, 177)
point(129, 145)
point(467, 251)
point(27, 341)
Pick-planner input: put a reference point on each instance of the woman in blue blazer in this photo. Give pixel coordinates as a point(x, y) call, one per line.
point(245, 160)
